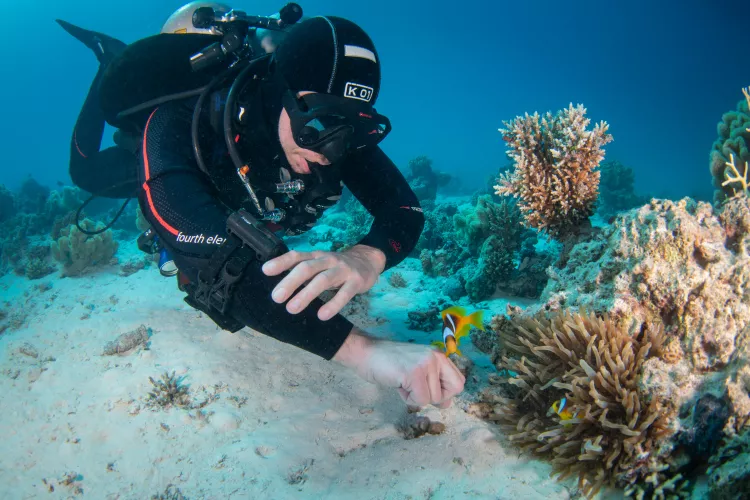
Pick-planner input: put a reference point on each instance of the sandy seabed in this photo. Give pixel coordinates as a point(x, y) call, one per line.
point(279, 423)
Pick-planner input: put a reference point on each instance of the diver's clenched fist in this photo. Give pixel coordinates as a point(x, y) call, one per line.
point(421, 374)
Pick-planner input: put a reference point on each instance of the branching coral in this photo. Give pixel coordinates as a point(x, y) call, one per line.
point(168, 391)
point(555, 176)
point(734, 176)
point(496, 264)
point(613, 434)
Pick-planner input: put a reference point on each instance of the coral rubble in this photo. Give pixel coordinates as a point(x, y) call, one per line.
point(126, 342)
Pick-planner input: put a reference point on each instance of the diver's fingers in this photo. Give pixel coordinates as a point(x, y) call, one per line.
point(288, 260)
point(334, 306)
point(451, 379)
point(416, 388)
point(302, 272)
point(445, 404)
point(320, 283)
point(405, 396)
point(433, 379)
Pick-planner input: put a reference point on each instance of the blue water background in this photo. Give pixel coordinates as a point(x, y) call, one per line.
point(660, 72)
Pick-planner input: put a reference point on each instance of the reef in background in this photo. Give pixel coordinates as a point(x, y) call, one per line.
point(38, 232)
point(678, 267)
point(644, 328)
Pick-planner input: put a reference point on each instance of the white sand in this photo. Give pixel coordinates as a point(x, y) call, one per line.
point(84, 411)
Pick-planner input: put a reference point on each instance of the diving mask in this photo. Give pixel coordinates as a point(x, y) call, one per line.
point(334, 126)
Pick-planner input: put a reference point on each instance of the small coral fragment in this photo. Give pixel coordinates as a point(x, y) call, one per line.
point(127, 341)
point(172, 492)
point(413, 426)
point(168, 391)
point(396, 280)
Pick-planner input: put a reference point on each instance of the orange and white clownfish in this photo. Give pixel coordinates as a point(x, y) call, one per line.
point(561, 408)
point(456, 324)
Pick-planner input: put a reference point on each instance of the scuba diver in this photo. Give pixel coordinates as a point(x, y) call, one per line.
point(235, 131)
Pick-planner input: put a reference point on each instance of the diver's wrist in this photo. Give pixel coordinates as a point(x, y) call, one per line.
point(355, 350)
point(371, 254)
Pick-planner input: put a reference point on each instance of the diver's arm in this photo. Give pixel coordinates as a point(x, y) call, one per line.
point(381, 188)
point(254, 307)
point(355, 349)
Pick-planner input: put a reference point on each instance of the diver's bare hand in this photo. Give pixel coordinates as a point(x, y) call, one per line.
point(353, 271)
point(421, 374)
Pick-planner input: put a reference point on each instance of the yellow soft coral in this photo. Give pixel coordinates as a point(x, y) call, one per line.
point(78, 251)
point(735, 177)
point(555, 177)
point(730, 151)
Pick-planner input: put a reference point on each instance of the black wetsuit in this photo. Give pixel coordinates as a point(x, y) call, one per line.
point(189, 209)
point(90, 169)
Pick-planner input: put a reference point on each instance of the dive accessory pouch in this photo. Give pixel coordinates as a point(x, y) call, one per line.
point(249, 241)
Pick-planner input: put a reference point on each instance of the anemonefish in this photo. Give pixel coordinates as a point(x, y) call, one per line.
point(561, 408)
point(456, 324)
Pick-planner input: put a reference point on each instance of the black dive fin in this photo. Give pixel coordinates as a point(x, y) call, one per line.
point(105, 47)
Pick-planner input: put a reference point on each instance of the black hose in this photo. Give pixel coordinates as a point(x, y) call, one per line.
point(197, 116)
point(160, 100)
point(99, 231)
point(238, 84)
point(122, 208)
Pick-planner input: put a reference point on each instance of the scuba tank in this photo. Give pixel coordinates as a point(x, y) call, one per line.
point(167, 67)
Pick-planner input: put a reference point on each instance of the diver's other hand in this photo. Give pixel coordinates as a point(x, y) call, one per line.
point(353, 271)
point(421, 374)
